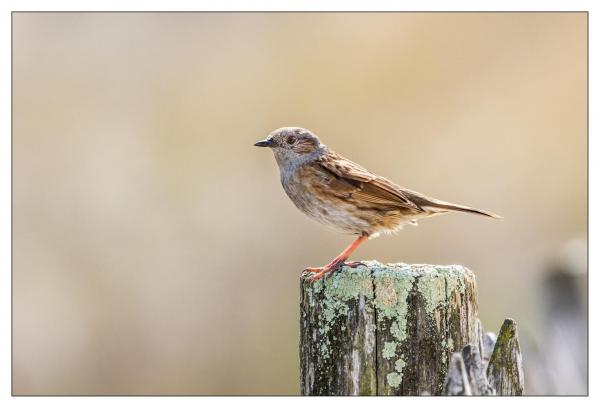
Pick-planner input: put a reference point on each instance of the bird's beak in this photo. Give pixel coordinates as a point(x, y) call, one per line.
point(264, 143)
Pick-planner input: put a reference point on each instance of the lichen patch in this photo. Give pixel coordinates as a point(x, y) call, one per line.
point(337, 291)
point(394, 379)
point(389, 349)
point(399, 366)
point(432, 286)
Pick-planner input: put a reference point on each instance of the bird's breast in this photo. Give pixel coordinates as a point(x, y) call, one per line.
point(309, 189)
point(297, 186)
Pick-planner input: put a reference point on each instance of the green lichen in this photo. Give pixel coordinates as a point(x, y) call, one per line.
point(324, 349)
point(389, 349)
point(455, 278)
point(398, 333)
point(337, 291)
point(349, 283)
point(393, 284)
point(507, 331)
point(432, 285)
point(394, 379)
point(399, 366)
point(437, 284)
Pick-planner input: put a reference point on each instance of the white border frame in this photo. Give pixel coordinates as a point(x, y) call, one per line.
point(592, 6)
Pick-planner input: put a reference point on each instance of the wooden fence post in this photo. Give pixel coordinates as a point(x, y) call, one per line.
point(385, 329)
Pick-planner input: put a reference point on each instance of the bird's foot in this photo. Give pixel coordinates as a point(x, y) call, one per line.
point(315, 273)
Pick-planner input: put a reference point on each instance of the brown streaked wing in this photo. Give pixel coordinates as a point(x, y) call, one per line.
point(368, 186)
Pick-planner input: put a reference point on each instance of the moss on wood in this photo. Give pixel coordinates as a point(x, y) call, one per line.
point(384, 329)
point(505, 368)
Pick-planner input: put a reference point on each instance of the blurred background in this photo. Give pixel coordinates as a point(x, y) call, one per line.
point(154, 250)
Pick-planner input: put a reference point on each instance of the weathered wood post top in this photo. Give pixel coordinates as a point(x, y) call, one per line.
point(385, 329)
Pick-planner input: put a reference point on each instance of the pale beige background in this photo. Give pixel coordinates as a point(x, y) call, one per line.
point(154, 248)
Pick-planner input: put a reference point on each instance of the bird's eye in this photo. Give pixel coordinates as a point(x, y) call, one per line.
point(291, 139)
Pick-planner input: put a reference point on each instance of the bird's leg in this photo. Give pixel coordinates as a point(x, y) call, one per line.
point(338, 261)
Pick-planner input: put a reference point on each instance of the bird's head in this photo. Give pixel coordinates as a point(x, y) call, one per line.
point(293, 145)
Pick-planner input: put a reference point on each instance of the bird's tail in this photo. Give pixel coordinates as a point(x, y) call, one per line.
point(444, 206)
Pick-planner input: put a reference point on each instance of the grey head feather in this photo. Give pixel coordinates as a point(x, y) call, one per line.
point(290, 157)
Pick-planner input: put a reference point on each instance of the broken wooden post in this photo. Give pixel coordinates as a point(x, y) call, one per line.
point(385, 329)
point(492, 368)
point(466, 375)
point(505, 369)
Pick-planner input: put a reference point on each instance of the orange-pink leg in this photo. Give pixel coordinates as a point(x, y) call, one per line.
point(337, 262)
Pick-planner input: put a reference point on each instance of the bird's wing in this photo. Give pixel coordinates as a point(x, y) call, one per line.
point(362, 184)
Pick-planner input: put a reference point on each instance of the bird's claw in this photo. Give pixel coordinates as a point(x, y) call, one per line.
point(314, 274)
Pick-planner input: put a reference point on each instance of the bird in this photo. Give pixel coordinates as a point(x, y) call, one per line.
point(345, 196)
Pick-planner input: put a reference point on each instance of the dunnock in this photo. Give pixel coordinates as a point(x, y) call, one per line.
point(345, 196)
